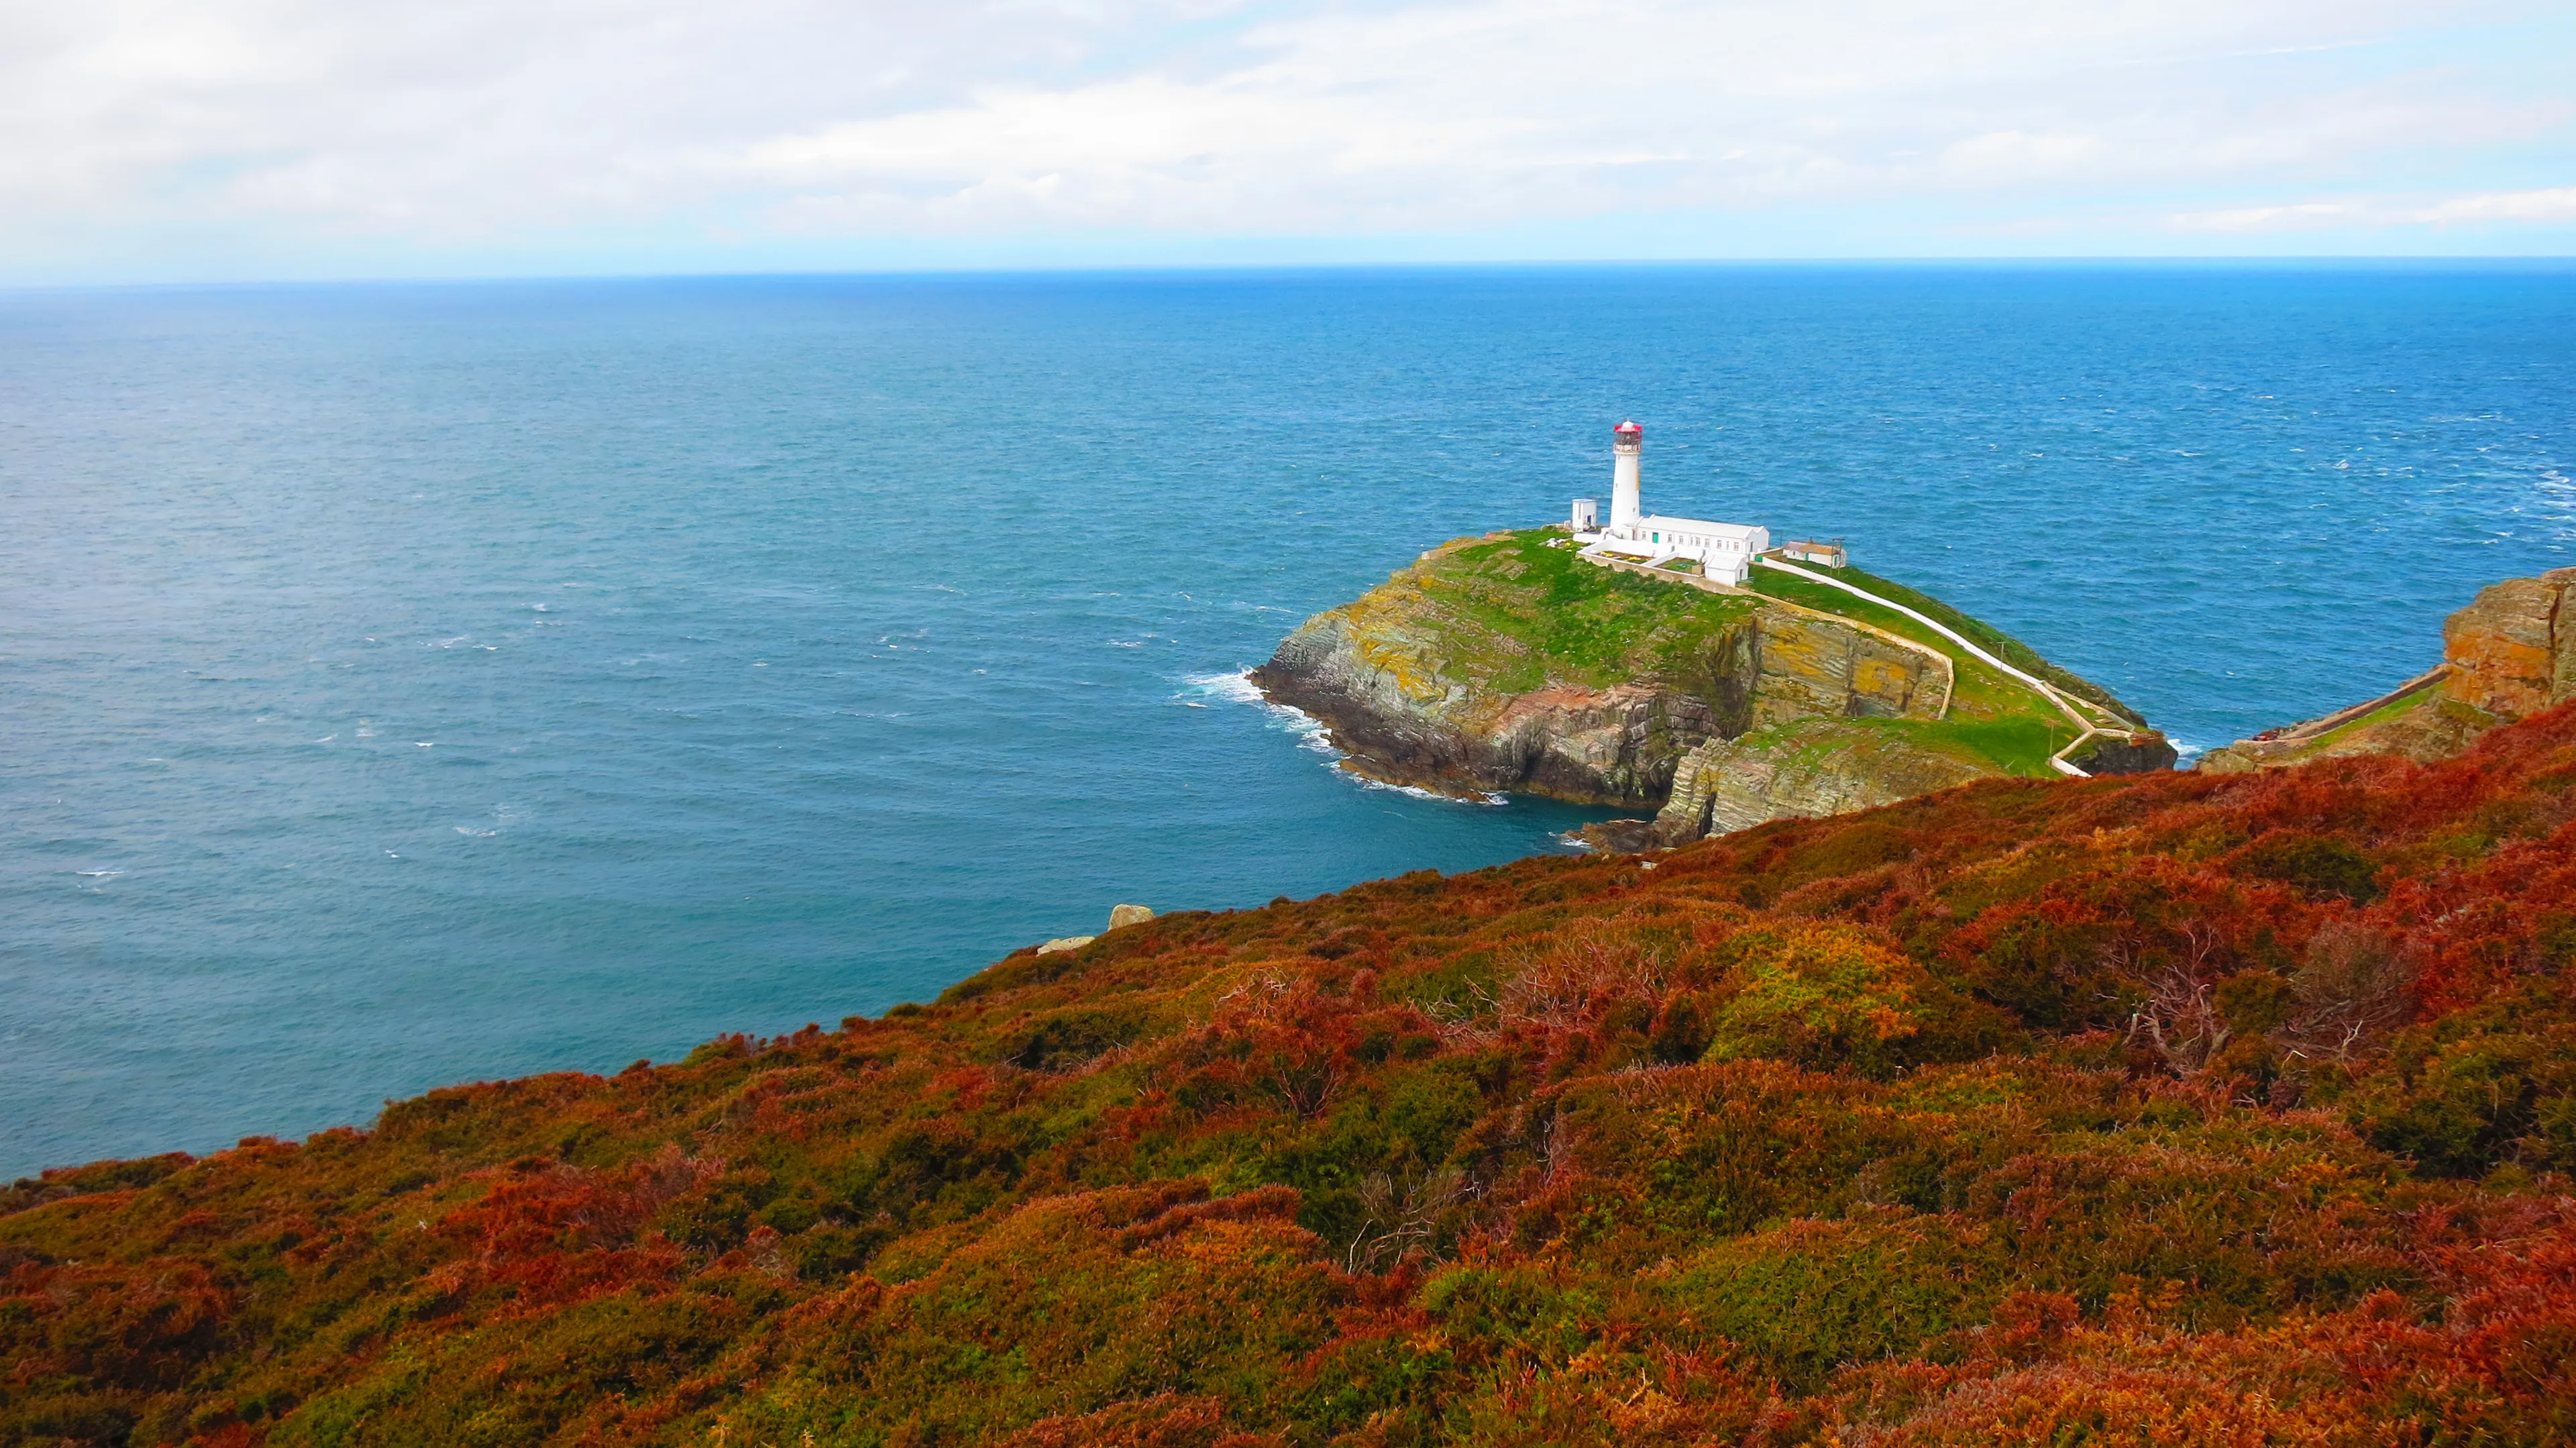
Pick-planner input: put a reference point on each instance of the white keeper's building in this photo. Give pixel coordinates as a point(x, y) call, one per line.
point(1724, 551)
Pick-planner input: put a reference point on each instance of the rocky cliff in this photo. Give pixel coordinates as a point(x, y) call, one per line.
point(1506, 663)
point(2506, 656)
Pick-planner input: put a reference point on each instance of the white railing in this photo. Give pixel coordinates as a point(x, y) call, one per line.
point(2085, 728)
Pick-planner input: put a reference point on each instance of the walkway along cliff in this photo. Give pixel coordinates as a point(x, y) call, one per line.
point(2508, 655)
point(1507, 663)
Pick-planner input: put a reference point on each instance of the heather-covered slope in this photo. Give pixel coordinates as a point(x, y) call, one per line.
point(2171, 1109)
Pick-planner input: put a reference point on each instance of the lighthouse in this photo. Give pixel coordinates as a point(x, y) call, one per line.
point(1627, 445)
point(1723, 551)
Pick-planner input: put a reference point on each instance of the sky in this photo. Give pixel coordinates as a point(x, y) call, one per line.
point(220, 140)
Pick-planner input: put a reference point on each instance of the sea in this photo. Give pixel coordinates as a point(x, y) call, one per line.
point(412, 684)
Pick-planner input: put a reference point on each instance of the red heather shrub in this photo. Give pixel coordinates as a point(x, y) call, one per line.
point(2162, 1110)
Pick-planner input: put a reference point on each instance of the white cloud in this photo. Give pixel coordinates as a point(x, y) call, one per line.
point(2298, 216)
point(2555, 205)
point(473, 120)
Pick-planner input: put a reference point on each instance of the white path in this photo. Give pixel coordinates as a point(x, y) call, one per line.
point(2086, 728)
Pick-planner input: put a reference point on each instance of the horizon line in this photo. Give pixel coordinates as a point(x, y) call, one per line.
point(2411, 261)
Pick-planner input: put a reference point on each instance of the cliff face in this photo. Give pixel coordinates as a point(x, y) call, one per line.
point(2508, 655)
point(1409, 687)
point(1504, 663)
point(1805, 769)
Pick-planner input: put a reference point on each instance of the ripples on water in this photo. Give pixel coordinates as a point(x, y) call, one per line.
point(411, 684)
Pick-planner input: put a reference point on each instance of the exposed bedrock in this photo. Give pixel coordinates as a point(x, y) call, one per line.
point(1507, 662)
point(2511, 653)
point(1807, 767)
point(2133, 754)
point(1405, 711)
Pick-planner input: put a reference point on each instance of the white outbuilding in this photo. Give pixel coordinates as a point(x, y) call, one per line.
point(1724, 551)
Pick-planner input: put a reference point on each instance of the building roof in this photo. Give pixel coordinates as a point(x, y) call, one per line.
point(1698, 525)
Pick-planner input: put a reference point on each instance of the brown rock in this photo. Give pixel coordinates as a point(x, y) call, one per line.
point(1809, 768)
point(2510, 653)
point(2503, 647)
point(1375, 674)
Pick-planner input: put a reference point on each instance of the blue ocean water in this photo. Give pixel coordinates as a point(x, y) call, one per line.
point(409, 684)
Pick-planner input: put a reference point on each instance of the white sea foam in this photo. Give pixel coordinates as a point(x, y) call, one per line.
point(1420, 793)
point(1237, 688)
point(99, 874)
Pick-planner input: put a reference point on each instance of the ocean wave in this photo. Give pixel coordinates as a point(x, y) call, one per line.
point(1420, 793)
point(1237, 687)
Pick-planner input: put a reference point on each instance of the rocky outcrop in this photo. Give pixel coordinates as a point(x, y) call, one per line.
point(2141, 753)
point(1507, 664)
point(2509, 654)
point(1120, 916)
point(1387, 682)
point(1807, 769)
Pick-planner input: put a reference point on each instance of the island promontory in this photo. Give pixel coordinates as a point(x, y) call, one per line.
point(1510, 662)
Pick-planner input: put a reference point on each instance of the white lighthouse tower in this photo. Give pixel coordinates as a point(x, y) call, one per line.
point(1627, 446)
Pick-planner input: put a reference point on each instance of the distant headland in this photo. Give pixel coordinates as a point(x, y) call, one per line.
point(1686, 665)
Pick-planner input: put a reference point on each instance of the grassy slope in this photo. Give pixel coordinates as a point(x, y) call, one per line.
point(1536, 615)
point(1848, 1130)
point(1523, 615)
point(1994, 640)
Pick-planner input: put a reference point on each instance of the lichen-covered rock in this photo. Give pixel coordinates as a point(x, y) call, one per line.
point(1807, 768)
point(2506, 650)
point(1506, 663)
point(1121, 915)
point(1414, 680)
point(2509, 654)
